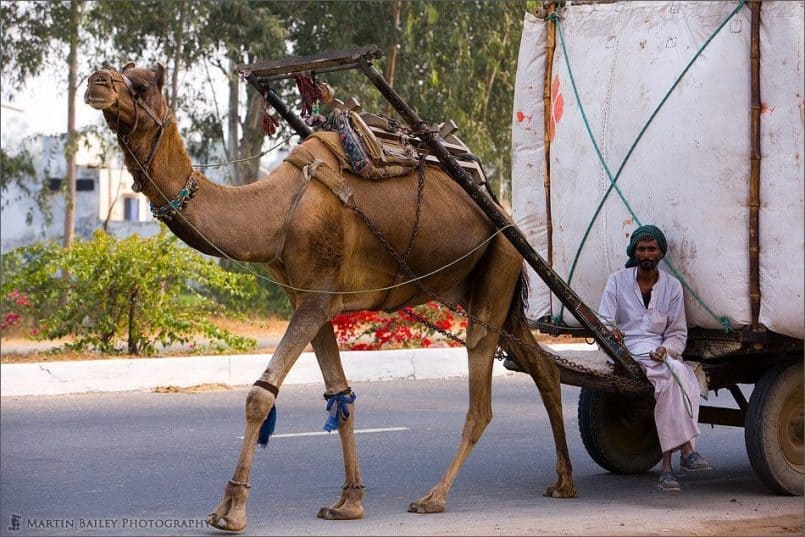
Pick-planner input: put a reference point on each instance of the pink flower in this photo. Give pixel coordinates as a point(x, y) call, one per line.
point(11, 319)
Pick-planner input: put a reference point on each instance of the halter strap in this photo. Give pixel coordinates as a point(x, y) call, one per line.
point(137, 101)
point(109, 79)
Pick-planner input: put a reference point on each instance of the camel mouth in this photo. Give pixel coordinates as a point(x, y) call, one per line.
point(99, 103)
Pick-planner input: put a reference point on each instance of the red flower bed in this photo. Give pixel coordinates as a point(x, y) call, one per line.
point(372, 330)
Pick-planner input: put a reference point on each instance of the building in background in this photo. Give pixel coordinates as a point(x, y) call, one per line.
point(104, 198)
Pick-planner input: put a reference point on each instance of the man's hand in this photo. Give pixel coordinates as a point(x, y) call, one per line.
point(659, 355)
point(617, 335)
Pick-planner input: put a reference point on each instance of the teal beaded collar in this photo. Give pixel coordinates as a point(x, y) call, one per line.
point(172, 208)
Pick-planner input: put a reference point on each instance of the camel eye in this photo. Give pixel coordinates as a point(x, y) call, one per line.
point(140, 86)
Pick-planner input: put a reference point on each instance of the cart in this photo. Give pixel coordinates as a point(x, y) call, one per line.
point(615, 407)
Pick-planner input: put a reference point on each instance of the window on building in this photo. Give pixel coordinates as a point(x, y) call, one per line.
point(85, 185)
point(81, 185)
point(131, 209)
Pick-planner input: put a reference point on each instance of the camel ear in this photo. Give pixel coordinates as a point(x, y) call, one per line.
point(160, 76)
point(127, 66)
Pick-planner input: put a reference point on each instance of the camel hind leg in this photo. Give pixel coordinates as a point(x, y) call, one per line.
point(546, 376)
point(493, 286)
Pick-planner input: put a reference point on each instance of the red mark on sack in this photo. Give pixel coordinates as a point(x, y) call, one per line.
point(521, 117)
point(557, 106)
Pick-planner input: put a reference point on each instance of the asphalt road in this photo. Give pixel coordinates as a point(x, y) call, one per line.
point(138, 463)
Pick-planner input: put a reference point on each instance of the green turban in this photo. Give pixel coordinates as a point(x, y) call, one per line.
point(645, 232)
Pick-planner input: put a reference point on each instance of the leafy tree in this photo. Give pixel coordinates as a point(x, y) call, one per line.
point(34, 34)
point(18, 169)
point(153, 31)
point(134, 291)
point(246, 31)
point(183, 33)
point(454, 59)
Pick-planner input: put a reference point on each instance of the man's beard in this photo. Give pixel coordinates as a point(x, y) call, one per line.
point(648, 264)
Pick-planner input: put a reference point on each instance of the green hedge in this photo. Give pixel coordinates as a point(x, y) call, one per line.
point(131, 294)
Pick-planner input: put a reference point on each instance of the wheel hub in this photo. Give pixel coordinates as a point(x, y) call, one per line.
point(791, 430)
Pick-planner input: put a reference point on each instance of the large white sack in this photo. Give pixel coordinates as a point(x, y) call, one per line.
point(528, 148)
point(689, 174)
point(781, 169)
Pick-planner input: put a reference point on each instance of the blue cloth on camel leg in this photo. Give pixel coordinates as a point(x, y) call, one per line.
point(338, 409)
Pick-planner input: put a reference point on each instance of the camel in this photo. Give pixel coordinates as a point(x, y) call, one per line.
point(322, 253)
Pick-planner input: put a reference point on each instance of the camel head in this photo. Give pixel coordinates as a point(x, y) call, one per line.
point(130, 99)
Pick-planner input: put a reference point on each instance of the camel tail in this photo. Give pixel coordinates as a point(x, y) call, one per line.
point(516, 319)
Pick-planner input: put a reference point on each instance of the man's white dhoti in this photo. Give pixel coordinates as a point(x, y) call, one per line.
point(661, 323)
point(676, 411)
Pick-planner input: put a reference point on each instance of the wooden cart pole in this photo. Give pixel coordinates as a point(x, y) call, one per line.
point(566, 295)
point(547, 106)
point(754, 177)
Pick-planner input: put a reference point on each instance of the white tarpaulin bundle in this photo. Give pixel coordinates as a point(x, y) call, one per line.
point(689, 174)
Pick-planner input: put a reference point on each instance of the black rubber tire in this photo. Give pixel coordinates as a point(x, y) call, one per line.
point(618, 431)
point(774, 429)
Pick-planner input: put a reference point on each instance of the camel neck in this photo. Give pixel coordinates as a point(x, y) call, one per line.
point(207, 218)
point(170, 166)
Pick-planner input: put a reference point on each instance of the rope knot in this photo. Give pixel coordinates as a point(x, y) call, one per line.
point(338, 409)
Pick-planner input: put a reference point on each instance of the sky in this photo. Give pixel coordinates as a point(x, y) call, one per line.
point(34, 110)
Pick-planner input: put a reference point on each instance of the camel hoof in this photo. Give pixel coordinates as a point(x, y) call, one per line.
point(424, 508)
point(223, 523)
point(562, 491)
point(329, 513)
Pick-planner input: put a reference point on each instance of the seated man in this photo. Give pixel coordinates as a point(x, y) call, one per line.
point(647, 309)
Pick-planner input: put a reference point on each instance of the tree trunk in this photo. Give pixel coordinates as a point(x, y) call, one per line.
point(494, 72)
point(233, 121)
point(393, 47)
point(71, 142)
point(252, 142)
point(132, 321)
point(177, 56)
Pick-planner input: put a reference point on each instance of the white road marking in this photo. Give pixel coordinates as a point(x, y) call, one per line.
point(357, 431)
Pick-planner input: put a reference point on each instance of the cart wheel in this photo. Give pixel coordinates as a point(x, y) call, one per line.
point(774, 430)
point(618, 431)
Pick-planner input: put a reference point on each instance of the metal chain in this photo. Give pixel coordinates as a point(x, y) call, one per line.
point(427, 322)
point(623, 383)
point(420, 188)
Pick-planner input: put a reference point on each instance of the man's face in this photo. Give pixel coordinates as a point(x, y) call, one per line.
point(647, 253)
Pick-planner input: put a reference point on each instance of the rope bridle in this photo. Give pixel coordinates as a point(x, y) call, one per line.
point(108, 79)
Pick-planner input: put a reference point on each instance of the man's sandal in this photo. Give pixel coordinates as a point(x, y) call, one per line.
point(668, 483)
point(694, 463)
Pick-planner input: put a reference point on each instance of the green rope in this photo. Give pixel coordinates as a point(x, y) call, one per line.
point(723, 320)
point(686, 397)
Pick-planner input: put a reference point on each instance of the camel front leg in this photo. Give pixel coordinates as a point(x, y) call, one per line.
point(348, 506)
point(306, 321)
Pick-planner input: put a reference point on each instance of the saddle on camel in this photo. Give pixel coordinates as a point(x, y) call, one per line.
point(339, 242)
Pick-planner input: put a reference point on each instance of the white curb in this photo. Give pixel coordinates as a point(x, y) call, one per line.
point(57, 378)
